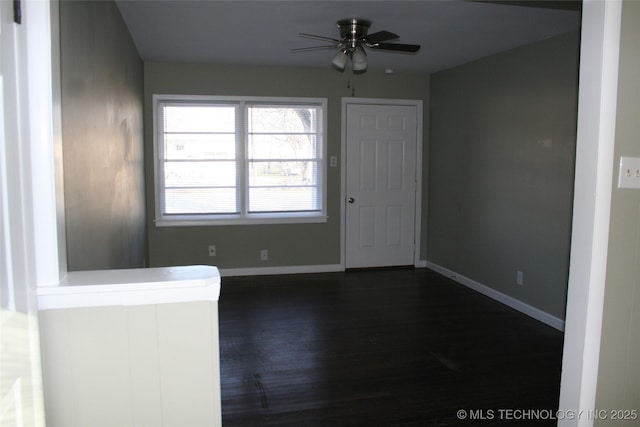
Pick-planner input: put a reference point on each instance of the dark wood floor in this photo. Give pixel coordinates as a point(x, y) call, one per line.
point(390, 347)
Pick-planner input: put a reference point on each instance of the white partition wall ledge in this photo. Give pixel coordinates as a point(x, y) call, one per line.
point(135, 347)
point(136, 286)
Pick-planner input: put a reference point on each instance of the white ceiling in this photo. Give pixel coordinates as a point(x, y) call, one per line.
point(262, 32)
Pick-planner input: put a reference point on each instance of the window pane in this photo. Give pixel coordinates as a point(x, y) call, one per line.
point(205, 146)
point(284, 199)
point(200, 201)
point(200, 174)
point(283, 146)
point(282, 119)
point(263, 174)
point(199, 118)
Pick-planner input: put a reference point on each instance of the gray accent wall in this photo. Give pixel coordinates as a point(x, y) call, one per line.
point(618, 372)
point(102, 138)
point(502, 151)
point(291, 245)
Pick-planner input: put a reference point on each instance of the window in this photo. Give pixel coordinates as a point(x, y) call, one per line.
point(239, 160)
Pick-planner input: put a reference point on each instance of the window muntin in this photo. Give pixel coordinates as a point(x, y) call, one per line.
point(239, 160)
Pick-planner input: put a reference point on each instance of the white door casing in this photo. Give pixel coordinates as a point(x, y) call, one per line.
point(380, 148)
point(28, 233)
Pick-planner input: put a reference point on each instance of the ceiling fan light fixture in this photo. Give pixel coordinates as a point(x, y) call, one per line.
point(340, 60)
point(359, 59)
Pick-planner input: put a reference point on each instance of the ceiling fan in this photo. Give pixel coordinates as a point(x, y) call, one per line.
point(353, 39)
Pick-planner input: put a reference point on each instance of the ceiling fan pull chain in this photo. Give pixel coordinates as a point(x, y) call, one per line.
point(349, 84)
point(353, 83)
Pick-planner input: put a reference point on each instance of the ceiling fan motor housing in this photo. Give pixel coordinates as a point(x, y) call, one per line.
point(352, 30)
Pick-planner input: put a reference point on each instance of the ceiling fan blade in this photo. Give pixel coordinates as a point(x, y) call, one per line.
point(380, 36)
point(305, 49)
point(399, 47)
point(315, 37)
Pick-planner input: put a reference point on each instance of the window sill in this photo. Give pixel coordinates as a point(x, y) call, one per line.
point(254, 220)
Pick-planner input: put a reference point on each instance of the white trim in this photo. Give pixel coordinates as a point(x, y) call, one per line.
point(600, 49)
point(56, 95)
point(418, 104)
point(251, 219)
point(294, 269)
point(41, 146)
point(28, 229)
point(507, 300)
point(418, 201)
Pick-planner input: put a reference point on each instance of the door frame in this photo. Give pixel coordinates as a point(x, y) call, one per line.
point(417, 103)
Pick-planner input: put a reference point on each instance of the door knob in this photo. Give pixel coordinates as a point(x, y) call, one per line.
point(351, 200)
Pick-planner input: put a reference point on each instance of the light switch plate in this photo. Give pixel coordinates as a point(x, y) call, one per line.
point(629, 176)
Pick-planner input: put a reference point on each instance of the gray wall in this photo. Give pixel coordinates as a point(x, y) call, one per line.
point(288, 245)
point(101, 92)
point(618, 372)
point(502, 143)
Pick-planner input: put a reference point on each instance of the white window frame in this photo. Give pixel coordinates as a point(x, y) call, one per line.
point(244, 217)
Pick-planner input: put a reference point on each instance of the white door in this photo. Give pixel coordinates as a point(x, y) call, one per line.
point(381, 156)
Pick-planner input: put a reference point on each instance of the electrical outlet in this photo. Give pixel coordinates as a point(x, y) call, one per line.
point(264, 255)
point(519, 278)
point(212, 250)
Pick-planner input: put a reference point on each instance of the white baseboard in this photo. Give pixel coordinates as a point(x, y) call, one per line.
point(522, 307)
point(294, 269)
